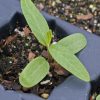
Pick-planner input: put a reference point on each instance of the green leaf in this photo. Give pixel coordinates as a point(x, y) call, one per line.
point(98, 97)
point(74, 43)
point(49, 35)
point(69, 61)
point(34, 72)
point(36, 22)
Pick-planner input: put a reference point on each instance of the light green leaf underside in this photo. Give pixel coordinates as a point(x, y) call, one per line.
point(74, 43)
point(69, 61)
point(98, 97)
point(36, 22)
point(34, 72)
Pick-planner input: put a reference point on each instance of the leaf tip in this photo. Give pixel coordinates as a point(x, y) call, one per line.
point(86, 77)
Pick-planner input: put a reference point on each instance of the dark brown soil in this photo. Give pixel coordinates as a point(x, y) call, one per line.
point(15, 53)
point(82, 13)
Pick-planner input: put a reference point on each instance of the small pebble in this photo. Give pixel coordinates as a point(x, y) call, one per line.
point(28, 37)
point(91, 6)
point(19, 32)
point(45, 82)
point(26, 44)
point(54, 42)
point(98, 24)
point(86, 27)
point(50, 83)
point(10, 62)
point(14, 46)
point(71, 16)
point(45, 95)
point(53, 4)
point(89, 30)
point(50, 74)
point(95, 21)
point(58, 1)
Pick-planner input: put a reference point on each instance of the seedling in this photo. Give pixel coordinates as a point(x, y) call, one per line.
point(63, 51)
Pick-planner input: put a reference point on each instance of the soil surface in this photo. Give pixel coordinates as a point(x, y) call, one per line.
point(82, 13)
point(16, 52)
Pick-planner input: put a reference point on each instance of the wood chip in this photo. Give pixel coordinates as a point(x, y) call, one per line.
point(46, 55)
point(59, 70)
point(84, 17)
point(40, 6)
point(2, 42)
point(10, 39)
point(45, 82)
point(26, 30)
point(31, 55)
point(7, 84)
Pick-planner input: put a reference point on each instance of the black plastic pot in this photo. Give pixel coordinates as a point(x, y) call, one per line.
point(72, 88)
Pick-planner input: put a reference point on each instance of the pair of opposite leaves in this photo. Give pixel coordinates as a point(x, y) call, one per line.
point(63, 51)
